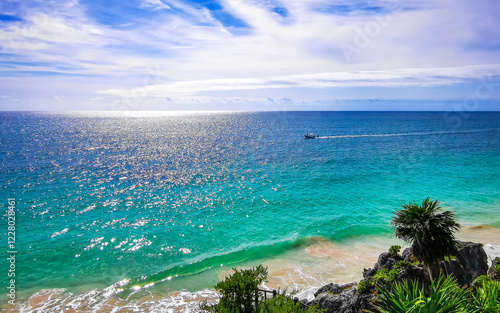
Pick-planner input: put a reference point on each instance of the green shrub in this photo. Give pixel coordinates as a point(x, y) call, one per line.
point(384, 276)
point(381, 274)
point(444, 296)
point(284, 304)
point(238, 295)
point(497, 267)
point(487, 297)
point(364, 286)
point(401, 299)
point(404, 264)
point(483, 278)
point(394, 250)
point(387, 277)
point(238, 291)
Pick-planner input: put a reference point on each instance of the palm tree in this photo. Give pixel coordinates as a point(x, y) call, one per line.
point(429, 230)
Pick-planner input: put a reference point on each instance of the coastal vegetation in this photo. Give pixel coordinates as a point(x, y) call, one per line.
point(238, 290)
point(394, 250)
point(429, 231)
point(240, 293)
point(436, 274)
point(443, 295)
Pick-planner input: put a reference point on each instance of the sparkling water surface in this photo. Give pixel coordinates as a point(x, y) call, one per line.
point(169, 198)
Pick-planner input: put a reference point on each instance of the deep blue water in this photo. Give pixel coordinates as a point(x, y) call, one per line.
point(147, 196)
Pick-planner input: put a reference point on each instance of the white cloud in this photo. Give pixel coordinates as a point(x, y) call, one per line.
point(436, 43)
point(44, 30)
point(308, 42)
point(155, 4)
point(385, 78)
point(7, 99)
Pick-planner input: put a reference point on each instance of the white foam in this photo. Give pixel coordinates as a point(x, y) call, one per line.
point(59, 233)
point(492, 251)
point(58, 300)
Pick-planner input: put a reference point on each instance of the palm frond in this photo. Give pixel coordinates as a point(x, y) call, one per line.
point(428, 229)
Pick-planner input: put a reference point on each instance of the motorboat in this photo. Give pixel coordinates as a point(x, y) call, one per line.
point(311, 136)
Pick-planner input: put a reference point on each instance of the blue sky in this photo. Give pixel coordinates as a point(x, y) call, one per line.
point(249, 55)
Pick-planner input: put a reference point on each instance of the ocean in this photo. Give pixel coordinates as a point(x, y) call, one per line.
point(123, 209)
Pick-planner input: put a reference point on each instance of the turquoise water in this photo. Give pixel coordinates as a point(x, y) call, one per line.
point(170, 197)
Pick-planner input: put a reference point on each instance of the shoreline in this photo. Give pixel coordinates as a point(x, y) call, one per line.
point(305, 269)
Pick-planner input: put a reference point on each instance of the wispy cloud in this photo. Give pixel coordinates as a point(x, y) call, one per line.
point(387, 78)
point(183, 48)
point(155, 4)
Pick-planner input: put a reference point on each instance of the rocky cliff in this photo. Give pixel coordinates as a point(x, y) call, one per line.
point(470, 263)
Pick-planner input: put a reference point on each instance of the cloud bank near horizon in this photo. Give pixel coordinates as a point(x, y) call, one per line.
point(88, 54)
point(387, 78)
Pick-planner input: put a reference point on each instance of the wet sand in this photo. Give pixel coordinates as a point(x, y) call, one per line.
point(487, 235)
point(482, 233)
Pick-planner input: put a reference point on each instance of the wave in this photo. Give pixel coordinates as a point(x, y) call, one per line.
point(308, 263)
point(409, 134)
point(170, 277)
point(138, 295)
point(57, 300)
point(59, 233)
point(239, 256)
point(293, 270)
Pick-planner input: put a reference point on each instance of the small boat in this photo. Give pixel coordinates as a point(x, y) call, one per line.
point(310, 136)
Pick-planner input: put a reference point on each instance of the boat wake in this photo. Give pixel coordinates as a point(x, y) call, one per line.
point(409, 134)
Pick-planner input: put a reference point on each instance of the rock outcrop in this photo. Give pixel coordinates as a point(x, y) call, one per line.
point(494, 271)
point(472, 262)
point(413, 273)
point(333, 289)
point(385, 261)
point(342, 299)
point(476, 260)
point(408, 272)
